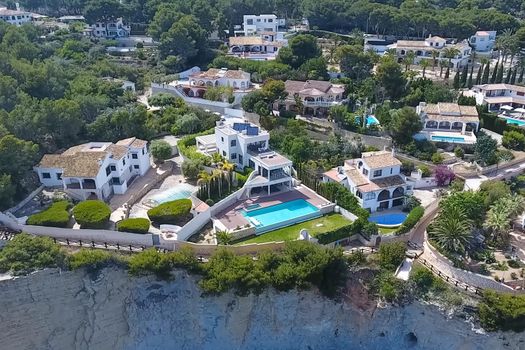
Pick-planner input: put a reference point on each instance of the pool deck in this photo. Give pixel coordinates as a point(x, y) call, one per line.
point(232, 218)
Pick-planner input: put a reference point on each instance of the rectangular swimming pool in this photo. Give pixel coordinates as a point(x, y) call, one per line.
point(448, 139)
point(279, 215)
point(513, 121)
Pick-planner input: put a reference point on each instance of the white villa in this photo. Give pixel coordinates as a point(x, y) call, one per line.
point(483, 41)
point(15, 17)
point(423, 50)
point(316, 96)
point(111, 29)
point(199, 81)
point(375, 179)
point(247, 145)
point(448, 122)
point(497, 95)
point(95, 170)
point(259, 38)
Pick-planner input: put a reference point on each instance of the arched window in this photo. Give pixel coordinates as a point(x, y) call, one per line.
point(383, 195)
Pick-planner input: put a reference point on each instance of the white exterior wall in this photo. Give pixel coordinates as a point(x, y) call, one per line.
point(260, 23)
point(143, 160)
point(53, 181)
point(483, 43)
point(17, 19)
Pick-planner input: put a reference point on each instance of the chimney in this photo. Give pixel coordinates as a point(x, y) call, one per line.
point(393, 151)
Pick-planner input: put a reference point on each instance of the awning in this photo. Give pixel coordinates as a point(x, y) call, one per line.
point(506, 108)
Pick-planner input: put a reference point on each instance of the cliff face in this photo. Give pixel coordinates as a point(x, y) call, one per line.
point(70, 310)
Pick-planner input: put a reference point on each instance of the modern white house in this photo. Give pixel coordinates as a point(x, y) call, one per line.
point(375, 179)
point(253, 24)
point(448, 122)
point(316, 97)
point(497, 95)
point(110, 30)
point(246, 145)
point(95, 170)
point(15, 17)
point(423, 50)
point(483, 41)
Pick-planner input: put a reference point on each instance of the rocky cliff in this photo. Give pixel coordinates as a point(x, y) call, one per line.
point(75, 310)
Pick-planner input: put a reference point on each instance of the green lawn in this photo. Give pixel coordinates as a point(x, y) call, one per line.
point(316, 226)
point(387, 230)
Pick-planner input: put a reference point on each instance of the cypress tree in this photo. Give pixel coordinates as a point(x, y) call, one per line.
point(507, 77)
point(494, 74)
point(469, 81)
point(513, 76)
point(457, 82)
point(464, 74)
point(447, 73)
point(486, 73)
point(499, 77)
point(520, 79)
point(478, 76)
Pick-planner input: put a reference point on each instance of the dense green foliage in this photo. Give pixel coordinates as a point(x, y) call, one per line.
point(160, 150)
point(92, 259)
point(57, 215)
point(135, 225)
point(504, 312)
point(92, 214)
point(337, 193)
point(24, 254)
point(174, 212)
point(391, 255)
point(412, 219)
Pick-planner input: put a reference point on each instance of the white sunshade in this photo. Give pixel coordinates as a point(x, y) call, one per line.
point(520, 110)
point(506, 108)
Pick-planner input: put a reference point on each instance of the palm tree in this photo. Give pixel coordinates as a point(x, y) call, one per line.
point(424, 63)
point(450, 53)
point(204, 179)
point(498, 223)
point(217, 175)
point(435, 56)
point(223, 237)
point(452, 230)
point(228, 167)
point(409, 59)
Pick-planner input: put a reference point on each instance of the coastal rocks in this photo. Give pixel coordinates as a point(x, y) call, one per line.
point(76, 310)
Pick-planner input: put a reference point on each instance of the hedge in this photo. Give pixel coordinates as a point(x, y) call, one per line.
point(57, 215)
point(187, 148)
point(412, 219)
point(335, 235)
point(173, 212)
point(135, 225)
point(92, 214)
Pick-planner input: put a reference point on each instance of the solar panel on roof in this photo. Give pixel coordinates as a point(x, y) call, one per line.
point(252, 130)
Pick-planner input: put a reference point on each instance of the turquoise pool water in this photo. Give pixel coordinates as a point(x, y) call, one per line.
point(514, 121)
point(180, 191)
point(270, 218)
point(370, 120)
point(390, 219)
point(448, 139)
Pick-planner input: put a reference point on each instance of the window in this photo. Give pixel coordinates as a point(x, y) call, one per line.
point(59, 176)
point(134, 156)
point(222, 139)
point(46, 175)
point(519, 93)
point(135, 166)
point(370, 195)
point(224, 153)
point(143, 150)
point(249, 21)
point(270, 20)
point(391, 171)
point(108, 170)
point(233, 143)
point(378, 173)
point(113, 168)
point(365, 171)
point(123, 161)
point(233, 156)
point(115, 181)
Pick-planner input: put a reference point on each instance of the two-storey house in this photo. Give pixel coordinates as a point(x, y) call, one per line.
point(448, 122)
point(311, 97)
point(375, 179)
point(95, 170)
point(497, 95)
point(483, 41)
point(423, 49)
point(110, 29)
point(247, 145)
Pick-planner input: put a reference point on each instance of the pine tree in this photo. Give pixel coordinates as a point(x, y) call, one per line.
point(494, 74)
point(464, 74)
point(478, 76)
point(499, 77)
point(513, 76)
point(507, 77)
point(457, 81)
point(486, 73)
point(469, 81)
point(520, 79)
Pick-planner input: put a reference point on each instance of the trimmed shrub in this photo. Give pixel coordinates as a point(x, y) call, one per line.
point(92, 259)
point(135, 225)
point(92, 214)
point(57, 215)
point(412, 219)
point(174, 212)
point(335, 235)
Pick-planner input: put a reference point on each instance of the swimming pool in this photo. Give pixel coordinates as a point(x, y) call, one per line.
point(180, 191)
point(279, 215)
point(448, 139)
point(388, 219)
point(370, 120)
point(514, 121)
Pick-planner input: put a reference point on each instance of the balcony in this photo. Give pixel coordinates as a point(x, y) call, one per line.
point(277, 175)
point(73, 186)
point(321, 103)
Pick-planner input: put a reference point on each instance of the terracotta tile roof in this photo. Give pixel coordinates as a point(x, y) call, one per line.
point(117, 151)
point(380, 159)
point(132, 142)
point(490, 87)
point(389, 181)
point(246, 40)
point(356, 177)
point(333, 174)
point(451, 112)
point(85, 164)
point(236, 74)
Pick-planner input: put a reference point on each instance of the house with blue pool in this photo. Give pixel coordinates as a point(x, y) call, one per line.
point(448, 122)
point(375, 179)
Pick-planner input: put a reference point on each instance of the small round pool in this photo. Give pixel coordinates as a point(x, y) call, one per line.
point(388, 219)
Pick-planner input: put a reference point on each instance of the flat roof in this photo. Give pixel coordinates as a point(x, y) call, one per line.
point(272, 159)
